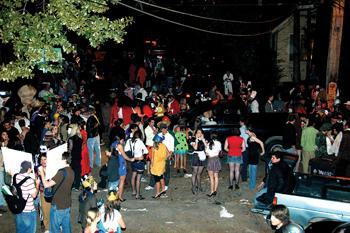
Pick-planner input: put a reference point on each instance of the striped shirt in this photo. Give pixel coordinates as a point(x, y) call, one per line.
point(27, 189)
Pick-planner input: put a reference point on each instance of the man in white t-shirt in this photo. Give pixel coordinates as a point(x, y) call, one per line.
point(227, 81)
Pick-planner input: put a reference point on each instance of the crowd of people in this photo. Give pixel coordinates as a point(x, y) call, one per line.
point(144, 131)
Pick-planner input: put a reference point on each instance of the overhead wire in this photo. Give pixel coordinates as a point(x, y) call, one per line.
point(209, 18)
point(192, 27)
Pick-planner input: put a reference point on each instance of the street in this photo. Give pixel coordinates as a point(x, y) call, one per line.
point(181, 211)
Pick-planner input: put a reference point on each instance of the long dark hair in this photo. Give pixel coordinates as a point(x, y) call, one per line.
point(137, 134)
point(213, 137)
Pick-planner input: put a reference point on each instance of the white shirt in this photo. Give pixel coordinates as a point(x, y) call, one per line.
point(138, 148)
point(110, 223)
point(227, 78)
point(329, 146)
point(168, 141)
point(215, 150)
point(143, 93)
point(336, 143)
point(149, 132)
point(254, 106)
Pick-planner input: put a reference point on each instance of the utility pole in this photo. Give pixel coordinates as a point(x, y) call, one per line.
point(296, 45)
point(335, 39)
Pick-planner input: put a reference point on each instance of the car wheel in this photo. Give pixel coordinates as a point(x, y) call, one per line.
point(274, 145)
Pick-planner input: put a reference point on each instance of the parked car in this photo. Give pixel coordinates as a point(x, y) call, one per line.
point(267, 126)
point(326, 225)
point(317, 198)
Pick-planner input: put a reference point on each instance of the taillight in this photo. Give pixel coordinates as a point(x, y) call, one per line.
point(274, 202)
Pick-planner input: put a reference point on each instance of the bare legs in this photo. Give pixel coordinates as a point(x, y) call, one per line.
point(121, 187)
point(160, 188)
point(183, 164)
point(135, 184)
point(214, 181)
point(177, 162)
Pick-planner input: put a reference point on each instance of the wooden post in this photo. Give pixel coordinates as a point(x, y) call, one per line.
point(335, 39)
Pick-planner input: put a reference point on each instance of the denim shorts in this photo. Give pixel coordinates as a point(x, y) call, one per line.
point(138, 166)
point(113, 186)
point(234, 159)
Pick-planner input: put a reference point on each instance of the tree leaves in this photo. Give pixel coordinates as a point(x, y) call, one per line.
point(44, 30)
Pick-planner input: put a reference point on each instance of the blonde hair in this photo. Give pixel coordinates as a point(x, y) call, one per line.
point(75, 130)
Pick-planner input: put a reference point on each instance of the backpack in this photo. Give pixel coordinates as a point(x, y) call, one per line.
point(15, 201)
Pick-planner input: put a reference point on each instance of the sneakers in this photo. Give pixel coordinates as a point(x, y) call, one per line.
point(236, 186)
point(149, 188)
point(230, 187)
point(166, 188)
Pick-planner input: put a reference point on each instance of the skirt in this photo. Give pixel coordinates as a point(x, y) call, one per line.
point(214, 164)
point(196, 162)
point(234, 159)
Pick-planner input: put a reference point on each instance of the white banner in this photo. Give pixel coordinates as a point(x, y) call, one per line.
point(14, 158)
point(54, 160)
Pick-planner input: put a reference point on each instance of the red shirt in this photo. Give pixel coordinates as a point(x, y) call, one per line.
point(127, 111)
point(147, 110)
point(174, 107)
point(114, 115)
point(234, 145)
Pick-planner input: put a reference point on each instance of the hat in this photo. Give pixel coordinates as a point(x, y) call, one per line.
point(25, 165)
point(88, 182)
point(112, 196)
point(157, 138)
point(326, 127)
point(162, 125)
point(56, 116)
point(347, 102)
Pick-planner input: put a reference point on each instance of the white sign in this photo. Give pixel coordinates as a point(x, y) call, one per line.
point(54, 160)
point(14, 158)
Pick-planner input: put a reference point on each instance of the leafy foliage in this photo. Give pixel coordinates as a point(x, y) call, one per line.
point(35, 33)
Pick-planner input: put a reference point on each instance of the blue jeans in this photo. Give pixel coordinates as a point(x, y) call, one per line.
point(252, 176)
point(60, 218)
point(26, 222)
point(2, 182)
point(93, 145)
point(258, 204)
point(112, 186)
